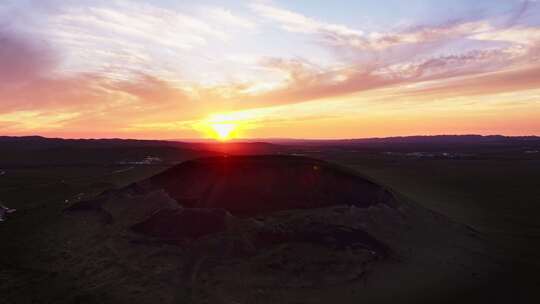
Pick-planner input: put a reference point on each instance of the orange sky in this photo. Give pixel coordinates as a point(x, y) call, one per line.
point(264, 69)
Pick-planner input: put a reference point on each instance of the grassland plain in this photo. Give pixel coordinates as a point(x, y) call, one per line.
point(495, 193)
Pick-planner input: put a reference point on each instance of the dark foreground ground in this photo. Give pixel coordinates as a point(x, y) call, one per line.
point(491, 185)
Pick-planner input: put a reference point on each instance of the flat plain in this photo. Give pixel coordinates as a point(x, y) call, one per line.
point(489, 185)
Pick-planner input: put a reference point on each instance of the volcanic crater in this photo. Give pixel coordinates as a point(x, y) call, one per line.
point(251, 185)
point(230, 226)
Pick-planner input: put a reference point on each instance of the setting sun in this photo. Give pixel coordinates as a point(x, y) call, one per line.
point(222, 126)
point(223, 131)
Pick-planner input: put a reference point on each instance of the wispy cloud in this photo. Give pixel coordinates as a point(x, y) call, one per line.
point(227, 17)
point(399, 57)
point(341, 35)
point(296, 22)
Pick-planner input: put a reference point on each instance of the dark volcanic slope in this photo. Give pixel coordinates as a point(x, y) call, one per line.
point(248, 185)
point(262, 229)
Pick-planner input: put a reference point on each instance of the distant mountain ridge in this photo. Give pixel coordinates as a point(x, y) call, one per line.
point(471, 138)
point(42, 150)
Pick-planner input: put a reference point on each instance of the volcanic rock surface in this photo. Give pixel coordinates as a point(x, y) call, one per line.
point(249, 185)
point(264, 229)
point(184, 222)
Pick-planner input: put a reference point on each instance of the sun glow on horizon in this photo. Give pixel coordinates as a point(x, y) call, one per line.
point(222, 126)
point(223, 131)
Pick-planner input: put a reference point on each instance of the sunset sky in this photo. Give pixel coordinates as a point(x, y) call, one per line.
point(288, 69)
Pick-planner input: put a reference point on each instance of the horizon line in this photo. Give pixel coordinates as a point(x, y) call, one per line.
point(246, 139)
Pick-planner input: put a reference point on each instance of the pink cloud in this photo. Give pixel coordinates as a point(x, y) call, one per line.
point(23, 58)
point(525, 78)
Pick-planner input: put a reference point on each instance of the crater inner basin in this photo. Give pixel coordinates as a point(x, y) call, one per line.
point(250, 185)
